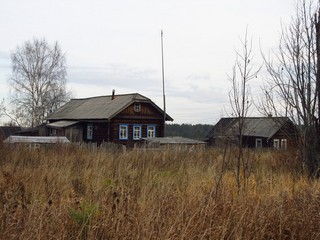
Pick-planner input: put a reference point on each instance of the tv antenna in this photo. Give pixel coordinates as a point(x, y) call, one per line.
point(163, 89)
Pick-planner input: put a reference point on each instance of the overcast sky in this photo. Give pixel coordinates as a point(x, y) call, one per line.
point(116, 44)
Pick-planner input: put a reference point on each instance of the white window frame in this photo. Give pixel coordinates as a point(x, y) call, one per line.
point(276, 143)
point(284, 143)
point(89, 131)
point(123, 131)
point(136, 132)
point(151, 131)
point(258, 142)
point(137, 107)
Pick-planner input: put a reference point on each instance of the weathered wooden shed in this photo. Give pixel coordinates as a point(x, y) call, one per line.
point(180, 143)
point(35, 141)
point(258, 132)
point(6, 131)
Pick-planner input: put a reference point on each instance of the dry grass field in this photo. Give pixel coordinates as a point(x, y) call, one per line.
point(75, 193)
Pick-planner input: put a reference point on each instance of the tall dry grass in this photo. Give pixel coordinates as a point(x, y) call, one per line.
point(74, 193)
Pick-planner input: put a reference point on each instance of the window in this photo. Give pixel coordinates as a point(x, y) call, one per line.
point(284, 143)
point(276, 143)
point(89, 131)
point(136, 132)
point(53, 132)
point(137, 107)
point(123, 132)
point(258, 143)
point(151, 131)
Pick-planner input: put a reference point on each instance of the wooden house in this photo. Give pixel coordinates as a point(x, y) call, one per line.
point(6, 131)
point(123, 119)
point(258, 132)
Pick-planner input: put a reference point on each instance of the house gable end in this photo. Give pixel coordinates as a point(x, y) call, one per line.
point(137, 110)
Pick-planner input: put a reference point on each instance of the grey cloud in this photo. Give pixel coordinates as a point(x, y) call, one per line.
point(195, 77)
point(4, 55)
point(114, 74)
point(5, 62)
point(200, 94)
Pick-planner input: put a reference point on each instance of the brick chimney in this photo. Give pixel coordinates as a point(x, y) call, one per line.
point(113, 94)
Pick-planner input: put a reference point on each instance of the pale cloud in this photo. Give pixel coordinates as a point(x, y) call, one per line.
point(113, 74)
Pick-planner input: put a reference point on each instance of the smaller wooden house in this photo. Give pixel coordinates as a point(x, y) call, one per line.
point(6, 131)
point(257, 132)
point(123, 119)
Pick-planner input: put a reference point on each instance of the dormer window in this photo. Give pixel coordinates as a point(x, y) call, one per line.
point(137, 107)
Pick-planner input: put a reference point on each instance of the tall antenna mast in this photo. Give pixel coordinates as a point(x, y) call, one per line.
point(163, 92)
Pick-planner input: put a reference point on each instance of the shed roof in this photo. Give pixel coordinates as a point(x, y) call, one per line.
point(33, 139)
point(253, 126)
point(61, 124)
point(103, 107)
point(174, 140)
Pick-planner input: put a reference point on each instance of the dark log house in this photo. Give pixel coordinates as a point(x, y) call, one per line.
point(123, 119)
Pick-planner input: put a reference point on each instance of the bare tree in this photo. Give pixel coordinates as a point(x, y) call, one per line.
point(38, 82)
point(293, 89)
point(240, 101)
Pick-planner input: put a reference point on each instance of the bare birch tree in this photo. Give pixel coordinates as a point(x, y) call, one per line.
point(38, 82)
point(293, 86)
point(241, 101)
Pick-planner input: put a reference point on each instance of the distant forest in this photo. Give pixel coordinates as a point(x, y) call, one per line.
point(197, 131)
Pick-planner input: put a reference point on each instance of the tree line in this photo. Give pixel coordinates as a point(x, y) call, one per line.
point(196, 131)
